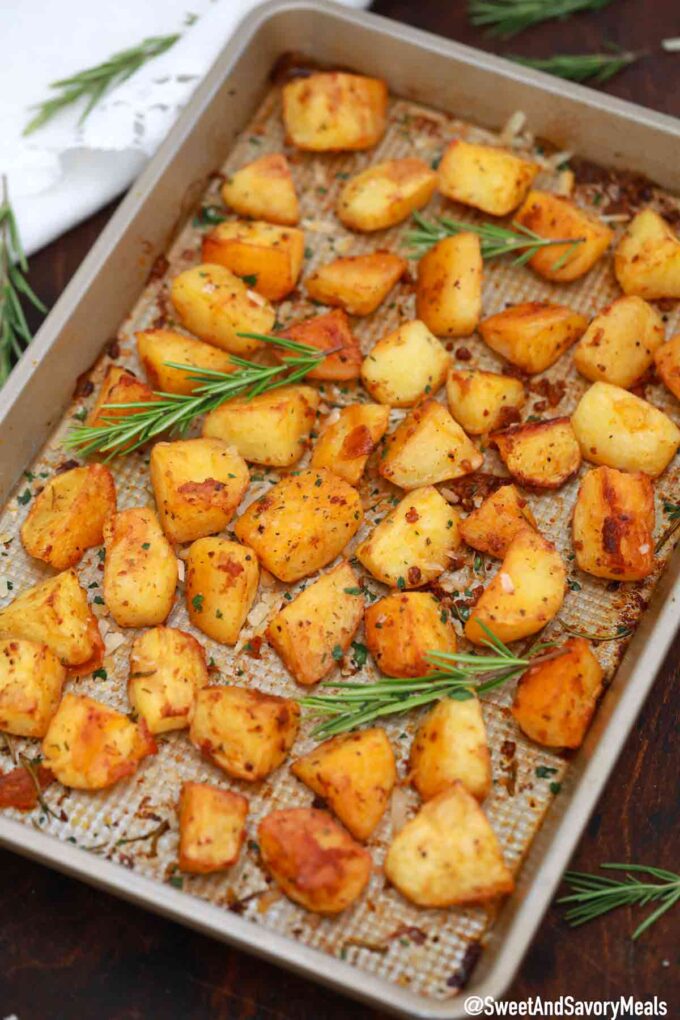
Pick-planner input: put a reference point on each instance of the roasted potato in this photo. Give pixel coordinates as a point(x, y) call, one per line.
point(413, 543)
point(385, 194)
point(487, 178)
point(245, 732)
point(647, 258)
point(428, 447)
point(345, 444)
point(330, 331)
point(357, 283)
point(68, 516)
point(313, 632)
point(451, 746)
point(449, 287)
point(266, 257)
point(616, 428)
point(533, 335)
point(302, 523)
point(402, 628)
point(555, 700)
point(491, 527)
point(525, 594)
point(156, 347)
point(314, 861)
point(543, 454)
point(140, 569)
point(167, 667)
point(212, 828)
point(614, 524)
point(355, 774)
point(405, 365)
point(264, 190)
point(483, 401)
point(31, 680)
point(448, 854)
point(619, 344)
point(553, 217)
point(120, 386)
point(333, 111)
point(667, 358)
point(221, 585)
point(89, 746)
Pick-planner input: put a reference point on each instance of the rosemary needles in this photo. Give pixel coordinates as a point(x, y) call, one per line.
point(508, 17)
point(596, 67)
point(593, 895)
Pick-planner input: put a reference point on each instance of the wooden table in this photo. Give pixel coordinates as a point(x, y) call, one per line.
point(70, 952)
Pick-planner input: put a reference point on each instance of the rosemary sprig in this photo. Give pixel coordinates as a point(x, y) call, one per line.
point(619, 634)
point(93, 83)
point(593, 895)
point(672, 511)
point(599, 67)
point(508, 17)
point(14, 332)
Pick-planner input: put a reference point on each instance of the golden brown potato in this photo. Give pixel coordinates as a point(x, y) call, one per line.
point(385, 194)
point(212, 828)
point(448, 854)
point(525, 594)
point(68, 516)
point(616, 428)
point(405, 365)
point(402, 628)
point(302, 523)
point(330, 331)
point(413, 543)
point(491, 527)
point(355, 774)
point(221, 585)
point(332, 111)
point(619, 344)
point(483, 401)
point(245, 732)
point(614, 524)
point(314, 861)
point(647, 258)
point(217, 306)
point(544, 454)
point(264, 190)
point(451, 746)
point(31, 680)
point(552, 217)
point(428, 447)
point(493, 180)
point(272, 428)
point(140, 569)
point(555, 700)
point(345, 445)
point(449, 287)
point(156, 347)
point(120, 386)
point(167, 667)
point(89, 746)
point(56, 613)
point(357, 283)
point(533, 335)
point(266, 257)
point(667, 358)
point(313, 632)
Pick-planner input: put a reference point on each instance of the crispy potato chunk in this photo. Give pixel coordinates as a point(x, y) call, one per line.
point(302, 523)
point(89, 746)
point(314, 861)
point(647, 258)
point(212, 828)
point(449, 287)
point(483, 401)
point(31, 680)
point(158, 346)
point(385, 194)
point(533, 335)
point(68, 516)
point(493, 525)
point(56, 613)
point(428, 447)
point(217, 305)
point(120, 386)
point(140, 569)
point(544, 454)
point(272, 428)
point(357, 283)
point(553, 217)
point(614, 524)
point(355, 774)
point(412, 544)
point(525, 595)
point(313, 632)
point(264, 190)
point(667, 358)
point(616, 428)
point(245, 732)
point(451, 746)
point(268, 258)
point(402, 628)
point(405, 365)
point(221, 585)
point(167, 667)
point(328, 332)
point(619, 344)
point(333, 111)
point(555, 700)
point(448, 854)
point(345, 445)
point(485, 177)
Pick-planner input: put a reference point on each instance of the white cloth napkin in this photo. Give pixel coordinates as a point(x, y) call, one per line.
point(65, 171)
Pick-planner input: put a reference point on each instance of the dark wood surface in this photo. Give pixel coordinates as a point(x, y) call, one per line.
point(70, 952)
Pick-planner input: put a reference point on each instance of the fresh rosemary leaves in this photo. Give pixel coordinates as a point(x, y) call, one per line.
point(593, 895)
point(596, 67)
point(508, 17)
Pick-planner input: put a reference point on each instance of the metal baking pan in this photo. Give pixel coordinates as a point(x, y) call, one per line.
point(448, 77)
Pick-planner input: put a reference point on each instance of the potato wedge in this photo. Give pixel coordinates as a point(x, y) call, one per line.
point(167, 668)
point(667, 359)
point(402, 628)
point(31, 681)
point(140, 569)
point(212, 828)
point(533, 335)
point(333, 111)
point(357, 283)
point(647, 258)
point(120, 386)
point(345, 445)
point(264, 190)
point(428, 447)
point(268, 258)
point(405, 365)
point(483, 401)
point(156, 347)
point(330, 331)
point(450, 746)
point(553, 217)
point(221, 585)
point(618, 346)
point(385, 194)
point(485, 177)
point(614, 524)
point(449, 287)
point(542, 454)
point(492, 526)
